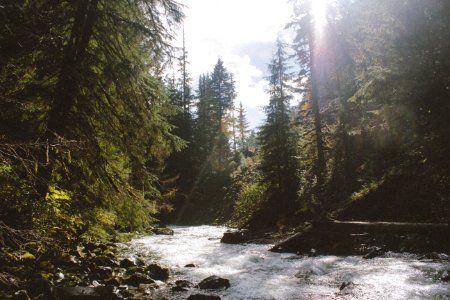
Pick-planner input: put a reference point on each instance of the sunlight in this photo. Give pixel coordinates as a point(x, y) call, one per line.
point(318, 12)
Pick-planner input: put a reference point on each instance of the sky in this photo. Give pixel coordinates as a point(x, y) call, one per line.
point(243, 34)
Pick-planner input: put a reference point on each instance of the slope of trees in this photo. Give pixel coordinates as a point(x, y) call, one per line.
point(84, 128)
point(216, 147)
point(369, 129)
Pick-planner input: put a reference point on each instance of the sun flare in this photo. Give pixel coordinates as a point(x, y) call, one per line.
point(318, 12)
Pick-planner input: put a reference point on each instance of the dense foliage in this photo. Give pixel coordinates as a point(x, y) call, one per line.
point(369, 129)
point(95, 137)
point(84, 128)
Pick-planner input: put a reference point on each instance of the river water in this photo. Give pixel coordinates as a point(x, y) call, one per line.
point(256, 273)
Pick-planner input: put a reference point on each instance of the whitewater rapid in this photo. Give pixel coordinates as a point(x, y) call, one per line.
point(256, 273)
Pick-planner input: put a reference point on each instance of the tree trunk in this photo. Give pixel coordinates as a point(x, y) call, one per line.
point(320, 163)
point(67, 86)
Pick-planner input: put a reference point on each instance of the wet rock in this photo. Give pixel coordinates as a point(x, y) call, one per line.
point(102, 272)
point(311, 269)
point(95, 247)
point(375, 252)
point(104, 260)
point(126, 294)
point(85, 293)
point(446, 276)
point(190, 266)
point(127, 263)
point(140, 262)
point(133, 270)
point(203, 297)
point(312, 253)
point(234, 237)
point(163, 230)
point(157, 272)
point(137, 279)
point(431, 255)
point(105, 271)
point(182, 286)
point(148, 286)
point(214, 283)
point(345, 284)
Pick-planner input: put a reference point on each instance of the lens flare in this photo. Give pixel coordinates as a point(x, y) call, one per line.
point(318, 11)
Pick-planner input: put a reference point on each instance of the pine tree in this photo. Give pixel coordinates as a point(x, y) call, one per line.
point(309, 48)
point(277, 146)
point(94, 82)
point(242, 128)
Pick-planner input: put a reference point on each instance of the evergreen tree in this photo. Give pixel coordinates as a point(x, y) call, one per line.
point(222, 96)
point(242, 128)
point(309, 46)
point(277, 146)
point(96, 103)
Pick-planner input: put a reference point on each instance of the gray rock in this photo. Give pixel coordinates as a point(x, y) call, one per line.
point(137, 279)
point(127, 263)
point(163, 230)
point(203, 297)
point(214, 283)
point(345, 284)
point(182, 286)
point(234, 237)
point(157, 272)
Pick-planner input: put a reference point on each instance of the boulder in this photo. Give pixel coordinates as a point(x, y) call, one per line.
point(345, 284)
point(163, 231)
point(133, 270)
point(214, 283)
point(182, 286)
point(157, 272)
point(190, 266)
point(203, 297)
point(102, 272)
point(234, 237)
point(127, 263)
point(104, 260)
point(137, 279)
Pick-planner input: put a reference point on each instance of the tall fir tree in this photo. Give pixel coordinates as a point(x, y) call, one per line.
point(278, 150)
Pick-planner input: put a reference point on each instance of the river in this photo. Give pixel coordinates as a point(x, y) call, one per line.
point(256, 273)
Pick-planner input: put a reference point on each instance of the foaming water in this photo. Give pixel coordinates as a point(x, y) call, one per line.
point(256, 273)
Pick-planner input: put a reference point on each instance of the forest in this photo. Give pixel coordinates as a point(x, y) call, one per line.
point(104, 134)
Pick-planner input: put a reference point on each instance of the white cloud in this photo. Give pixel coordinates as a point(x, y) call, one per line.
point(232, 30)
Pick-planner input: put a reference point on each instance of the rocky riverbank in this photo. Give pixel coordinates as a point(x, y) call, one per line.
point(369, 239)
point(93, 271)
point(90, 270)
